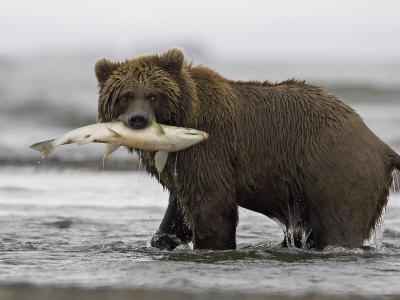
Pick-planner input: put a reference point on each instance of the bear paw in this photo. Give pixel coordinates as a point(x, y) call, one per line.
point(165, 241)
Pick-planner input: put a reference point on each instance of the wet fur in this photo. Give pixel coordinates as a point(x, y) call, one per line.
point(288, 150)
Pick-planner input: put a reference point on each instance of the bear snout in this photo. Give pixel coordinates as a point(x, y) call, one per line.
point(138, 120)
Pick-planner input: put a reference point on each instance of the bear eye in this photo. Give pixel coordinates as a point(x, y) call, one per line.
point(151, 97)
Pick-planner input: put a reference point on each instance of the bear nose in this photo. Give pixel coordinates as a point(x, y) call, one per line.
point(138, 120)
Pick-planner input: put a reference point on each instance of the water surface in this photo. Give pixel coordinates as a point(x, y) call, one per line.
point(85, 228)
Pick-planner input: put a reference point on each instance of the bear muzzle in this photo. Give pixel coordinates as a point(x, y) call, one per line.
point(138, 120)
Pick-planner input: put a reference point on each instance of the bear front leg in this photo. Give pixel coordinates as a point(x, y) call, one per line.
point(173, 230)
point(213, 217)
point(207, 193)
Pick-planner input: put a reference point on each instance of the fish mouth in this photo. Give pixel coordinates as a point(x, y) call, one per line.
point(205, 135)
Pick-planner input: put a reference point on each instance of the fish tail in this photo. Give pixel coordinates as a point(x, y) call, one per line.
point(45, 147)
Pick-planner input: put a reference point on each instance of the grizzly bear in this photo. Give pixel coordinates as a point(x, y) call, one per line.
point(287, 150)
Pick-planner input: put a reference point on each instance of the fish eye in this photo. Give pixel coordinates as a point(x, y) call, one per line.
point(190, 131)
point(125, 98)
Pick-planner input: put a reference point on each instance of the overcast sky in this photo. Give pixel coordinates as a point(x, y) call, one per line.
point(344, 30)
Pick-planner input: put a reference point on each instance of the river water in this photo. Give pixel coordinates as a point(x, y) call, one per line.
point(91, 229)
point(85, 228)
point(68, 223)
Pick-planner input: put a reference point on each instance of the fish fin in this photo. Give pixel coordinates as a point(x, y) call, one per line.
point(110, 148)
point(158, 128)
point(113, 132)
point(45, 147)
point(160, 160)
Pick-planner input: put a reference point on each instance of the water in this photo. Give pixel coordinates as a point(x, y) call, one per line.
point(87, 228)
point(176, 161)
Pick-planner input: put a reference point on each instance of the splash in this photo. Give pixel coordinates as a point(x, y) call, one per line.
point(297, 237)
point(395, 182)
point(304, 238)
point(395, 179)
point(289, 235)
point(296, 234)
point(395, 186)
point(376, 238)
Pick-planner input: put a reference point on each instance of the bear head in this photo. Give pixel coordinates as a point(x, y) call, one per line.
point(145, 88)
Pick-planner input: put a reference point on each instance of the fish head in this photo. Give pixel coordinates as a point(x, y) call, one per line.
point(185, 137)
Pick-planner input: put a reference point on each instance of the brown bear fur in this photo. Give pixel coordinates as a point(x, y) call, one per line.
point(288, 150)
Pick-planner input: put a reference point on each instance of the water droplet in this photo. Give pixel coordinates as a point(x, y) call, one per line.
point(304, 238)
point(377, 237)
point(289, 236)
point(140, 169)
point(395, 185)
point(398, 183)
point(140, 160)
point(176, 160)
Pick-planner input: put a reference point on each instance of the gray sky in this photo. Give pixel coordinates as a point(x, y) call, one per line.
point(308, 30)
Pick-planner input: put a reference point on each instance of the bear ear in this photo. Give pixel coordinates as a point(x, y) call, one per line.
point(172, 59)
point(104, 68)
